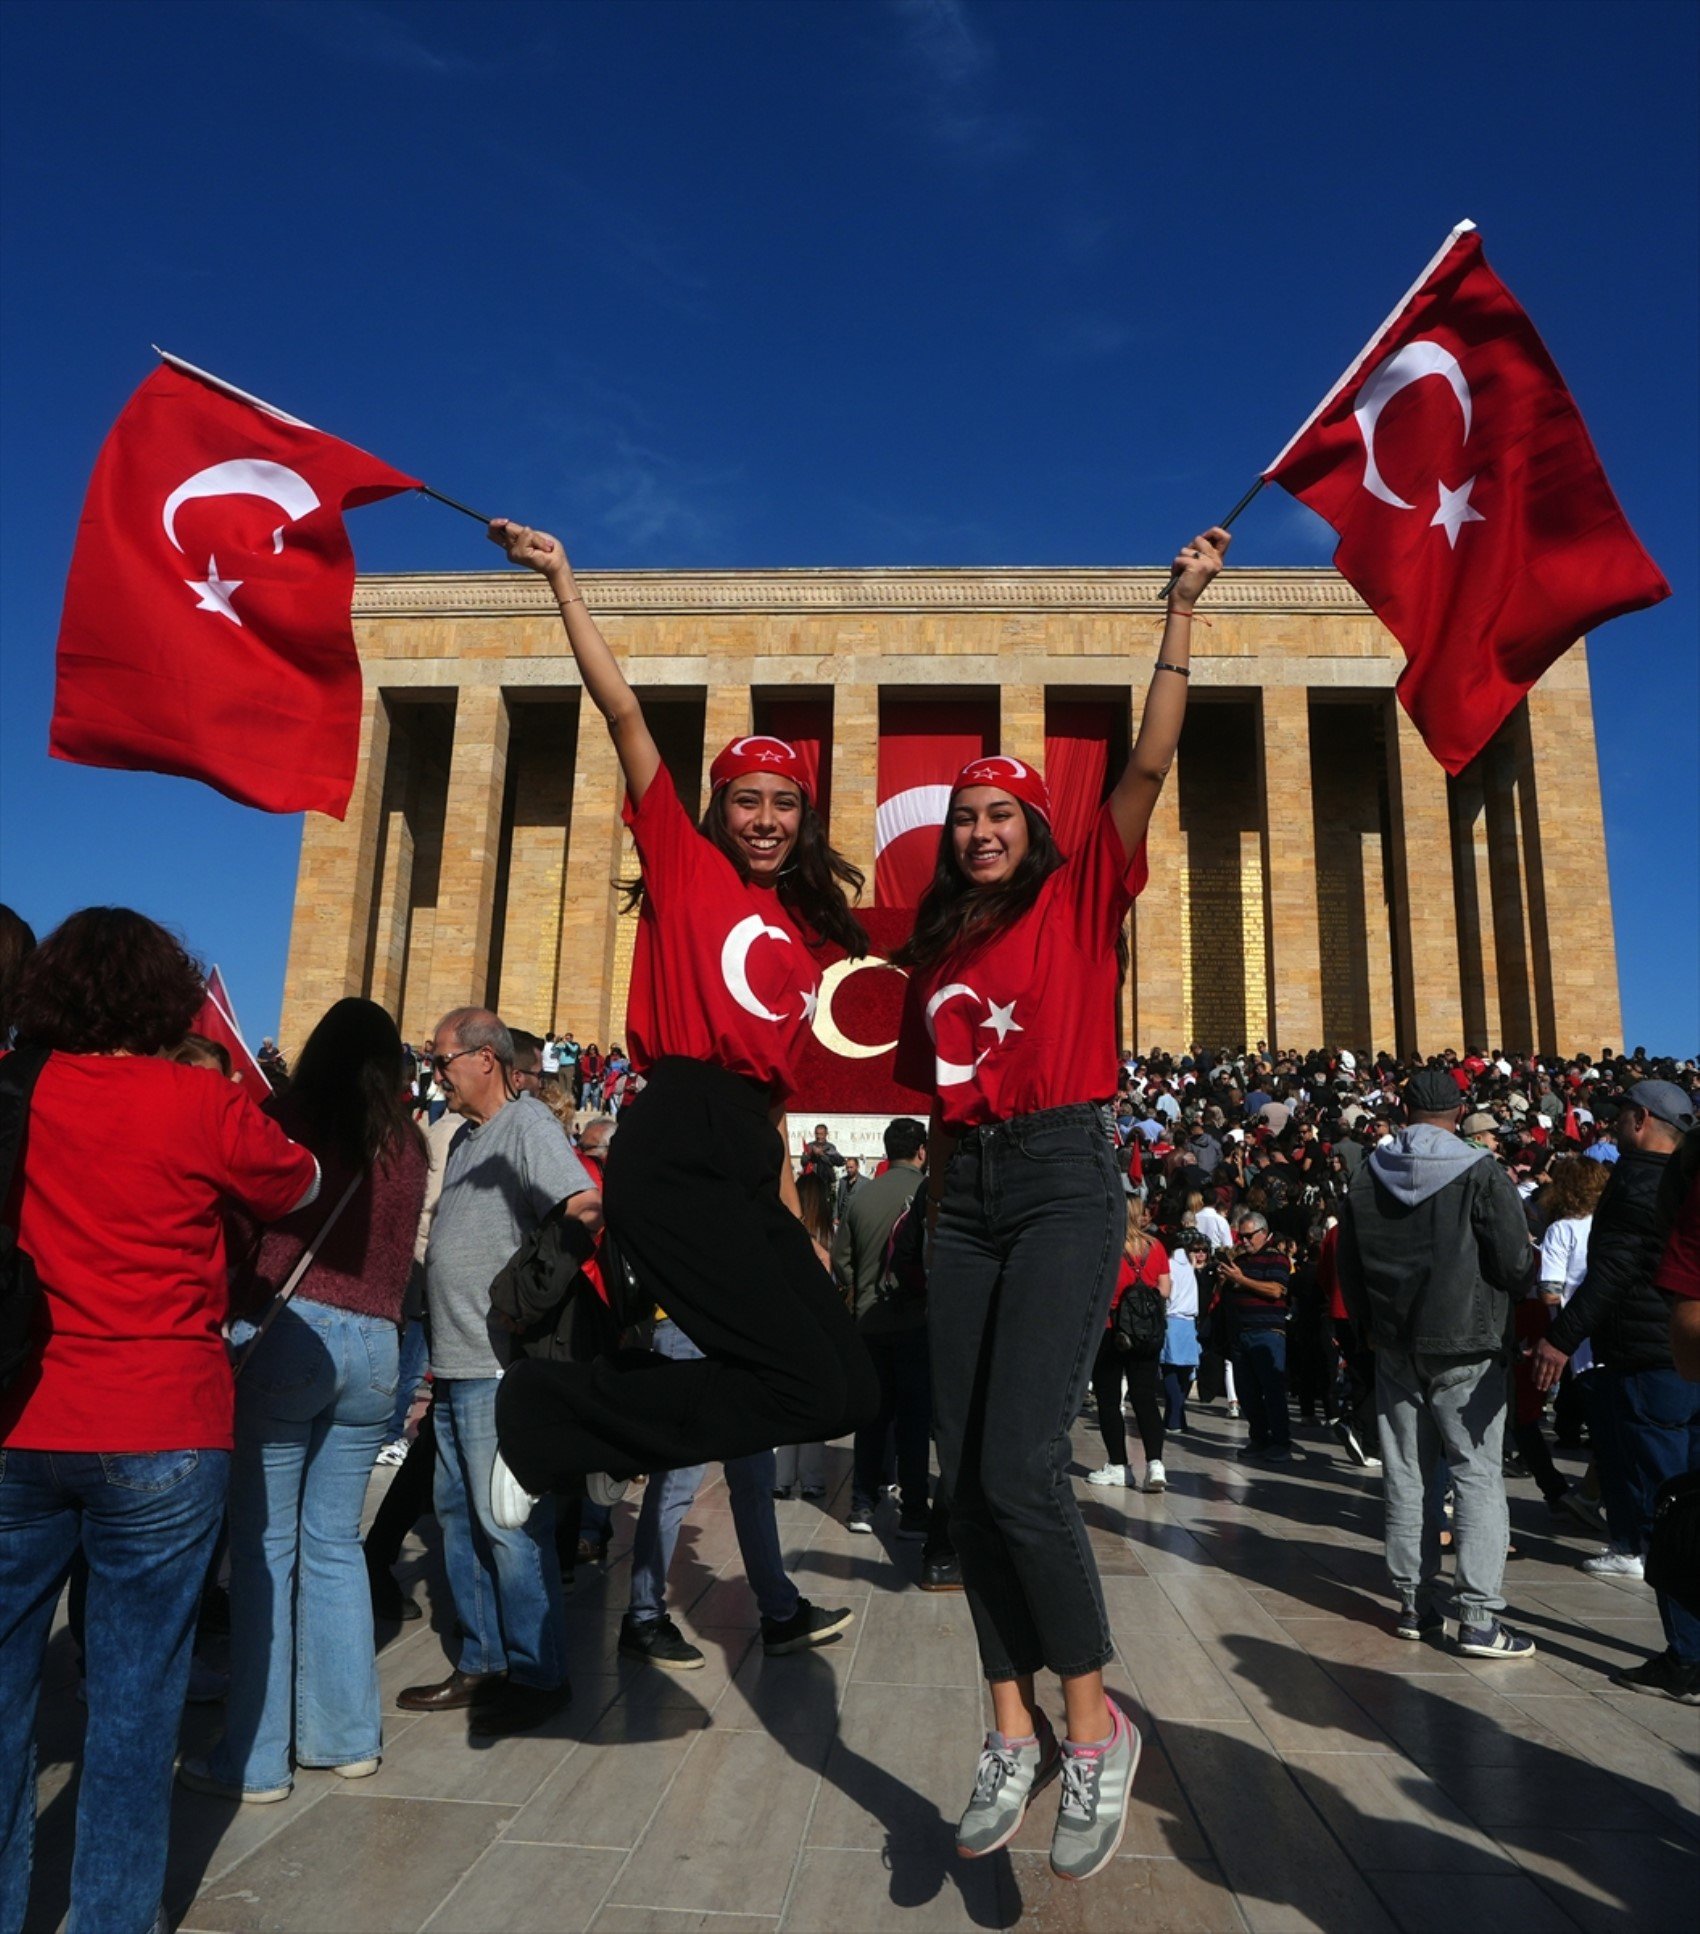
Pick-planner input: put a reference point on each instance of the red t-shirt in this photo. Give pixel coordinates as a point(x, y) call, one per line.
point(721, 972)
point(127, 1167)
point(1678, 1272)
point(1028, 1020)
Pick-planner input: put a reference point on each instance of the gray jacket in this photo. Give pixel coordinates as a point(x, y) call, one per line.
point(1434, 1247)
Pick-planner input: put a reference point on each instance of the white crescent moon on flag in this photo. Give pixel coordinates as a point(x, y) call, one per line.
point(1410, 365)
point(827, 1030)
point(735, 963)
point(909, 812)
point(951, 1074)
point(244, 477)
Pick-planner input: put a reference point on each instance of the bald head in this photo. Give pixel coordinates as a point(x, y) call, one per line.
point(474, 1062)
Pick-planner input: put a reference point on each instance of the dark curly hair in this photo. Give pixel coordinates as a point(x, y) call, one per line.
point(108, 979)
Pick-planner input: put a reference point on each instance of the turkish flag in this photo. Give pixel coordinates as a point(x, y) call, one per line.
point(846, 1061)
point(924, 744)
point(217, 1021)
point(1474, 517)
point(207, 626)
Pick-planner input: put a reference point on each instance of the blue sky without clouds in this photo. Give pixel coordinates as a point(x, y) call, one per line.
point(703, 284)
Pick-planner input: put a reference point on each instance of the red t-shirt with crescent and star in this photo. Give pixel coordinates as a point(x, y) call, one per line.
point(721, 972)
point(1028, 1019)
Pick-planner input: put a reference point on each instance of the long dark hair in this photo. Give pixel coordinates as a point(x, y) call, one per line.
point(955, 914)
point(812, 887)
point(348, 1085)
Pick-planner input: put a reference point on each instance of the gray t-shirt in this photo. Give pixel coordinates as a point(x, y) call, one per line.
point(501, 1178)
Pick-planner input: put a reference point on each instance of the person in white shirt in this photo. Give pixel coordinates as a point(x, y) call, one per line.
point(1180, 1341)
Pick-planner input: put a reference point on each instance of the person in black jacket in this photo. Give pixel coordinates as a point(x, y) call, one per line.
point(1643, 1416)
point(1433, 1251)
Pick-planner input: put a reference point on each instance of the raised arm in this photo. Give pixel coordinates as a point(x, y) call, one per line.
point(598, 667)
point(1135, 797)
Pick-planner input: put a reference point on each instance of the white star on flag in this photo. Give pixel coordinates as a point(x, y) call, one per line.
point(810, 1003)
point(1455, 511)
point(1003, 1021)
point(216, 592)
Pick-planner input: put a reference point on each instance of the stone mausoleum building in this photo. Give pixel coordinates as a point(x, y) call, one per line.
point(1315, 875)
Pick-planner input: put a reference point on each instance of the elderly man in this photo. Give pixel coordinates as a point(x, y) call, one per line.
point(507, 1166)
point(1434, 1250)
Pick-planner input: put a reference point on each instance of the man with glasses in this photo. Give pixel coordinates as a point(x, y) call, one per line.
point(508, 1165)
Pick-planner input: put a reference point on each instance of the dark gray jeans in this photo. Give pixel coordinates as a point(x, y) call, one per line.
point(1029, 1237)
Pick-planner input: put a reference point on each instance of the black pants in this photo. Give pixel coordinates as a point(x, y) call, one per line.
point(1144, 1377)
point(409, 1497)
point(692, 1192)
point(901, 1363)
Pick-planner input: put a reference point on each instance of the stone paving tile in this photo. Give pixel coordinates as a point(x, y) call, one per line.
point(1471, 1904)
point(1392, 1818)
point(529, 1890)
point(1132, 1895)
point(1614, 1883)
point(878, 1795)
point(616, 1919)
point(920, 1886)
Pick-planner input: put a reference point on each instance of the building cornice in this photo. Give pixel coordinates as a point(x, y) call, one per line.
point(499, 594)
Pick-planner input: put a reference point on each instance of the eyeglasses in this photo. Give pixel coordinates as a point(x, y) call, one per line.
point(441, 1062)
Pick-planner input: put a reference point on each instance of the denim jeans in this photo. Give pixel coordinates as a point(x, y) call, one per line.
point(668, 1496)
point(1651, 1431)
point(506, 1584)
point(902, 1364)
point(1260, 1368)
point(312, 1404)
point(1028, 1242)
point(146, 1521)
point(1436, 1409)
point(415, 1356)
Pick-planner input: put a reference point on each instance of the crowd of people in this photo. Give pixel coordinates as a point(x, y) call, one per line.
point(600, 1271)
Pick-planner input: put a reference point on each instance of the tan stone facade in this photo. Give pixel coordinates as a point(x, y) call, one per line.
point(1315, 876)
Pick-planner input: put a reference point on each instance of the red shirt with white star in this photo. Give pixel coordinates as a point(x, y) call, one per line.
point(1028, 1019)
point(721, 972)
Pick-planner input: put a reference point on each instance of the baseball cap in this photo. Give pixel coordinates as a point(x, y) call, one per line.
point(1663, 1099)
point(1480, 1123)
point(1432, 1091)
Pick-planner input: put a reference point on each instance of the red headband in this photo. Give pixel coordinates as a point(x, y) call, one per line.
point(1027, 783)
point(759, 753)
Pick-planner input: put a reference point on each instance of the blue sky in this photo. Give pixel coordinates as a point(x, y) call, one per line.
point(807, 284)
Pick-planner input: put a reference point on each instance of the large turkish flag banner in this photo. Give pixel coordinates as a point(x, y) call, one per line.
point(846, 1060)
point(207, 627)
point(1473, 514)
point(924, 744)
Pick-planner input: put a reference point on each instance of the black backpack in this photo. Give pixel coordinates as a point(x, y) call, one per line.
point(20, 1287)
point(1141, 1322)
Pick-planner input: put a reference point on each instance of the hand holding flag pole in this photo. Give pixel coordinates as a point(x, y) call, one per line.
point(1225, 523)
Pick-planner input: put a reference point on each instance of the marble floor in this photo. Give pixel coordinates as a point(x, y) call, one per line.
point(1303, 1769)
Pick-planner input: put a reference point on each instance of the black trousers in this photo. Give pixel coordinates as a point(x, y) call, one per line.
point(1144, 1378)
point(692, 1193)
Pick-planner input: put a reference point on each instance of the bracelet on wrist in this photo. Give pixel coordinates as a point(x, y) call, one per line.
point(1163, 665)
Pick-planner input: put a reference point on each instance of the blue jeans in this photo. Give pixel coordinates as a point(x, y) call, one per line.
point(1260, 1368)
point(415, 1357)
point(669, 1495)
point(311, 1407)
point(146, 1521)
point(1653, 1418)
point(506, 1584)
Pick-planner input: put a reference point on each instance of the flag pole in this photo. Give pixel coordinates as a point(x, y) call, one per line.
point(1226, 524)
point(465, 510)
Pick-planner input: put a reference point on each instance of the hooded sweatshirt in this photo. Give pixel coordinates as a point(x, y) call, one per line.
point(1434, 1246)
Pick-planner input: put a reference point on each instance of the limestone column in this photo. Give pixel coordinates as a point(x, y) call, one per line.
point(726, 715)
point(472, 833)
point(855, 774)
point(584, 979)
point(1378, 957)
point(1429, 998)
point(537, 859)
point(395, 884)
point(1477, 941)
point(334, 888)
point(1021, 723)
point(1158, 979)
point(1289, 870)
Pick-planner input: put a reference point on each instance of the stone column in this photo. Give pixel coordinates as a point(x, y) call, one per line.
point(472, 833)
point(537, 858)
point(726, 715)
point(1289, 870)
point(1429, 997)
point(855, 775)
point(1021, 723)
point(334, 888)
point(585, 975)
point(395, 884)
point(1159, 970)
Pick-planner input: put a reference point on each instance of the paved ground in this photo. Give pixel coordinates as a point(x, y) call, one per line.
point(1302, 1769)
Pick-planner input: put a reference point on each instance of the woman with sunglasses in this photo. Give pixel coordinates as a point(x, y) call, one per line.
point(699, 1191)
point(1010, 1020)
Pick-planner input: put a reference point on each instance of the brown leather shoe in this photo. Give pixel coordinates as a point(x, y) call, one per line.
point(458, 1690)
point(512, 1708)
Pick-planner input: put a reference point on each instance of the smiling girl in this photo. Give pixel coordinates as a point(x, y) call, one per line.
point(699, 1191)
point(1010, 1021)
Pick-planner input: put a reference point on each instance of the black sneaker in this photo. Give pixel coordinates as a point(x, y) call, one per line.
point(1419, 1625)
point(915, 1525)
point(861, 1519)
point(659, 1641)
point(942, 1574)
point(1663, 1675)
point(808, 1625)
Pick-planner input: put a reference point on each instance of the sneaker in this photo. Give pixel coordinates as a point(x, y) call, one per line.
point(1418, 1625)
point(198, 1777)
point(394, 1452)
point(1005, 1782)
point(1156, 1478)
point(512, 1708)
point(1371, 1463)
point(813, 1493)
point(1586, 1510)
point(510, 1502)
point(1109, 1474)
point(1097, 1783)
point(1233, 1408)
point(358, 1769)
point(660, 1642)
point(602, 1489)
point(1493, 1641)
point(915, 1525)
point(1252, 1453)
point(808, 1625)
point(1353, 1444)
point(1613, 1563)
point(860, 1520)
point(941, 1574)
point(783, 1494)
point(1664, 1675)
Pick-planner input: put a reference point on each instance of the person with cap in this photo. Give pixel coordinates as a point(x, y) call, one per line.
point(724, 982)
point(1009, 1021)
point(1433, 1252)
point(1643, 1415)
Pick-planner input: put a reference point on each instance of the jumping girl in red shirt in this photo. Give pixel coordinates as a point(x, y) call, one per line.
point(1010, 1021)
point(699, 1190)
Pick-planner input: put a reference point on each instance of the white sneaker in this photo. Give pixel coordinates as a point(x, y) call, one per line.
point(394, 1453)
point(1156, 1478)
point(1612, 1563)
point(510, 1503)
point(602, 1489)
point(1233, 1409)
point(1109, 1474)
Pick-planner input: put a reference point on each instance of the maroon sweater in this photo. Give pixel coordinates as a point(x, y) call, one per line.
point(364, 1263)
